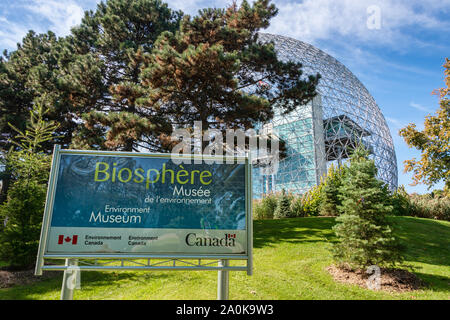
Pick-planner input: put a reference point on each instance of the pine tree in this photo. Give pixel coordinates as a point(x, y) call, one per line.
point(110, 44)
point(364, 233)
point(283, 209)
point(215, 71)
point(330, 201)
point(31, 75)
point(21, 213)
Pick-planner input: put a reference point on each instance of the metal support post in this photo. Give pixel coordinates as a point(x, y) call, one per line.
point(223, 281)
point(71, 279)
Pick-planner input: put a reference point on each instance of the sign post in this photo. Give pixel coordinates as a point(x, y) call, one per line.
point(148, 211)
point(223, 281)
point(71, 279)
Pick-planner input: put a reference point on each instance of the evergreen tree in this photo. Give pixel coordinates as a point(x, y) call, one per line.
point(215, 71)
point(283, 209)
point(110, 44)
point(365, 235)
point(330, 192)
point(21, 213)
point(31, 75)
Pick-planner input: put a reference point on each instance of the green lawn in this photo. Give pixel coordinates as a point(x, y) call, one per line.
point(290, 257)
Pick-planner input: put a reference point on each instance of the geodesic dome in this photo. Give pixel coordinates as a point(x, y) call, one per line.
point(326, 130)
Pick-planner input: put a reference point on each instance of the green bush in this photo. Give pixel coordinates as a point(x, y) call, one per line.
point(297, 207)
point(265, 207)
point(401, 202)
point(427, 206)
point(329, 200)
point(22, 217)
point(283, 209)
point(432, 206)
point(311, 201)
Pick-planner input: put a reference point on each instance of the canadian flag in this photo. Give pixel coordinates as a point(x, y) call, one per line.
point(231, 235)
point(62, 239)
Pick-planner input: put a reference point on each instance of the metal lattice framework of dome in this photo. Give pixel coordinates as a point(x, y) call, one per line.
point(343, 115)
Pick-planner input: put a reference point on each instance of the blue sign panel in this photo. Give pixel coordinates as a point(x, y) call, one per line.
point(112, 202)
point(134, 192)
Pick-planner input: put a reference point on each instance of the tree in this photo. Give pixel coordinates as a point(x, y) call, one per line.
point(365, 235)
point(330, 192)
point(21, 214)
point(215, 71)
point(433, 142)
point(109, 46)
point(30, 75)
point(283, 209)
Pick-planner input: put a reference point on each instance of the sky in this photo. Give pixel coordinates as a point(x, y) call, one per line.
point(395, 47)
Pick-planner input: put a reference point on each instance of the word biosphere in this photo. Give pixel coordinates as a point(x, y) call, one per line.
point(152, 175)
point(173, 213)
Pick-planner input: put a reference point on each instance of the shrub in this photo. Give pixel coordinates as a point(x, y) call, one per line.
point(427, 206)
point(433, 206)
point(401, 202)
point(22, 214)
point(265, 208)
point(329, 200)
point(297, 207)
point(311, 201)
point(283, 209)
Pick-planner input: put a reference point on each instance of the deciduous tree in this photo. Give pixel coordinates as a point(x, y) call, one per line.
point(433, 142)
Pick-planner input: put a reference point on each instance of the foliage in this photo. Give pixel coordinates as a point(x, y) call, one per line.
point(297, 209)
point(21, 214)
point(283, 209)
point(433, 142)
point(401, 202)
point(435, 205)
point(364, 233)
point(30, 75)
point(110, 46)
point(265, 208)
point(311, 200)
point(214, 70)
point(330, 191)
point(426, 206)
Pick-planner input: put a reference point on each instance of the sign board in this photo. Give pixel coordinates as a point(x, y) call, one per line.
point(122, 204)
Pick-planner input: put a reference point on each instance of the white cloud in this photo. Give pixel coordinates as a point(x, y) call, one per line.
point(10, 33)
point(191, 7)
point(62, 15)
point(312, 20)
point(420, 107)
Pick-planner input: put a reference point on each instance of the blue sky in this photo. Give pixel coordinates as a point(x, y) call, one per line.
point(395, 47)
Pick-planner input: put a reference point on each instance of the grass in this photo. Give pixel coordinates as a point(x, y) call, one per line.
point(290, 257)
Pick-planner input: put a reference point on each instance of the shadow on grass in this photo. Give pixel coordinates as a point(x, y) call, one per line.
point(435, 282)
point(89, 281)
point(294, 230)
point(426, 241)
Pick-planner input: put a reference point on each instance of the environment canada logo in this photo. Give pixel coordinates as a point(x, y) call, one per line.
point(228, 240)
